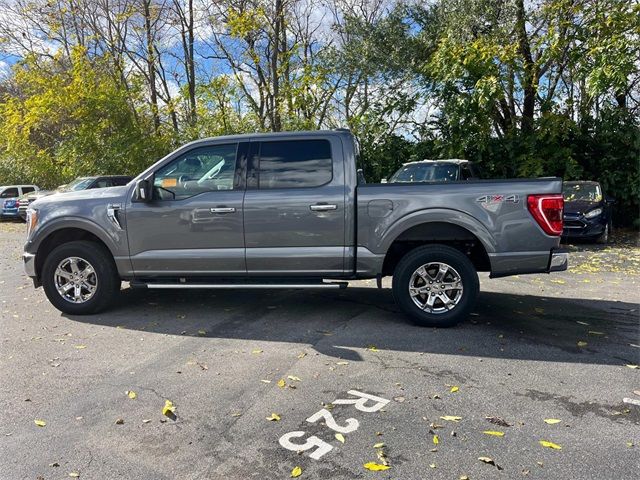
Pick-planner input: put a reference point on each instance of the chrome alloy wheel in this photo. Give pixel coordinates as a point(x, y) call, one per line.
point(76, 280)
point(436, 287)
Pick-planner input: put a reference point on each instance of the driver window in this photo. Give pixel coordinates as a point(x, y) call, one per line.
point(204, 169)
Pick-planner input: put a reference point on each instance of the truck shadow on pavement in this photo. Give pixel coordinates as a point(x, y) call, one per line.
point(339, 323)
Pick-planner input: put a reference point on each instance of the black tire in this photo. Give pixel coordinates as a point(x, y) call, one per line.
point(604, 236)
point(108, 281)
point(420, 256)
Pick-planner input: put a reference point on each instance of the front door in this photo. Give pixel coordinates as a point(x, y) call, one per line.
point(294, 208)
point(193, 225)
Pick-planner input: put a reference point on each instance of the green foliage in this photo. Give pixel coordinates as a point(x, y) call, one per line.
point(72, 119)
point(523, 88)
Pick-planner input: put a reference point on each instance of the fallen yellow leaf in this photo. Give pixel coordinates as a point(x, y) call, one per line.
point(80, 347)
point(432, 465)
point(342, 363)
point(40, 423)
point(372, 348)
point(296, 472)
point(635, 367)
point(74, 474)
point(282, 383)
point(376, 467)
point(494, 433)
point(436, 440)
point(379, 445)
point(302, 355)
point(582, 344)
point(256, 351)
point(339, 437)
point(454, 389)
point(294, 378)
point(555, 446)
point(202, 333)
point(552, 421)
point(169, 408)
point(451, 418)
point(131, 394)
point(274, 417)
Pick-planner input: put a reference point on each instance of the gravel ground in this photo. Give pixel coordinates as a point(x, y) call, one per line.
point(537, 347)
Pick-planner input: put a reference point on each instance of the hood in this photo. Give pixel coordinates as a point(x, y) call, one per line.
point(579, 206)
point(91, 194)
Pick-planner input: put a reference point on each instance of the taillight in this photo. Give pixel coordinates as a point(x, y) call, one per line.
point(547, 211)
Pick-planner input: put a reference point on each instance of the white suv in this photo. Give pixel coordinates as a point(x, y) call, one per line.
point(8, 198)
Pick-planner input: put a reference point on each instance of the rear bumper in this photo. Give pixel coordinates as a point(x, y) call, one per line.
point(9, 213)
point(520, 263)
point(559, 261)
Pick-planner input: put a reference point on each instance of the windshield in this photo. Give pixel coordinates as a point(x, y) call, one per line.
point(589, 192)
point(77, 184)
point(426, 172)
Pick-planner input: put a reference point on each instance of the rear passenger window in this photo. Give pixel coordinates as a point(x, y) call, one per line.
point(119, 181)
point(295, 164)
point(27, 189)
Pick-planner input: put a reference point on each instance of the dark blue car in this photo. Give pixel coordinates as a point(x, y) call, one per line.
point(587, 212)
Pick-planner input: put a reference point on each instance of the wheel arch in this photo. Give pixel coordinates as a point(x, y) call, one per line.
point(68, 231)
point(473, 243)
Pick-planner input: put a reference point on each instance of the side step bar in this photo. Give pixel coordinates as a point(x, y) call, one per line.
point(239, 286)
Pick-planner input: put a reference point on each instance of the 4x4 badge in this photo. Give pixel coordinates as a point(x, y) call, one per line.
point(489, 199)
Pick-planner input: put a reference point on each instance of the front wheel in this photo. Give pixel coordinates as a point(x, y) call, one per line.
point(604, 236)
point(80, 278)
point(435, 285)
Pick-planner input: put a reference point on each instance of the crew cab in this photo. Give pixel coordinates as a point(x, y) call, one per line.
point(286, 210)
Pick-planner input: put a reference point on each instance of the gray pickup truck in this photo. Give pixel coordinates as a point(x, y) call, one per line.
point(290, 210)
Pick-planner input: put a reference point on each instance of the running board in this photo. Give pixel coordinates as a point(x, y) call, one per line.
point(241, 285)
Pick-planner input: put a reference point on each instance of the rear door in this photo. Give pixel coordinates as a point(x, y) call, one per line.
point(294, 207)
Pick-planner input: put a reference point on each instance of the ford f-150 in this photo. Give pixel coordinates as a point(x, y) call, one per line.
point(290, 210)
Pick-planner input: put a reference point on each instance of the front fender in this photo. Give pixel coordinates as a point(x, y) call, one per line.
point(115, 241)
point(454, 217)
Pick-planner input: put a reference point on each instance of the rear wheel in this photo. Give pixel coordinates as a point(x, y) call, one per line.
point(80, 278)
point(435, 285)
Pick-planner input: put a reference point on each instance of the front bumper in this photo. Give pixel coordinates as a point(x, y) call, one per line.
point(580, 227)
point(29, 261)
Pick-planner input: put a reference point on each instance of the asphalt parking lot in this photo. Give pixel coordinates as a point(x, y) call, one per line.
point(543, 347)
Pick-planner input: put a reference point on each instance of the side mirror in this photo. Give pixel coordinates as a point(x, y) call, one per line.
point(144, 190)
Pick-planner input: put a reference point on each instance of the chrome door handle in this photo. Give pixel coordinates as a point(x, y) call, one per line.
point(222, 210)
point(322, 207)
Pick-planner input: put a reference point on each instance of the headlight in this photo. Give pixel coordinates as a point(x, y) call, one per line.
point(32, 220)
point(593, 213)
